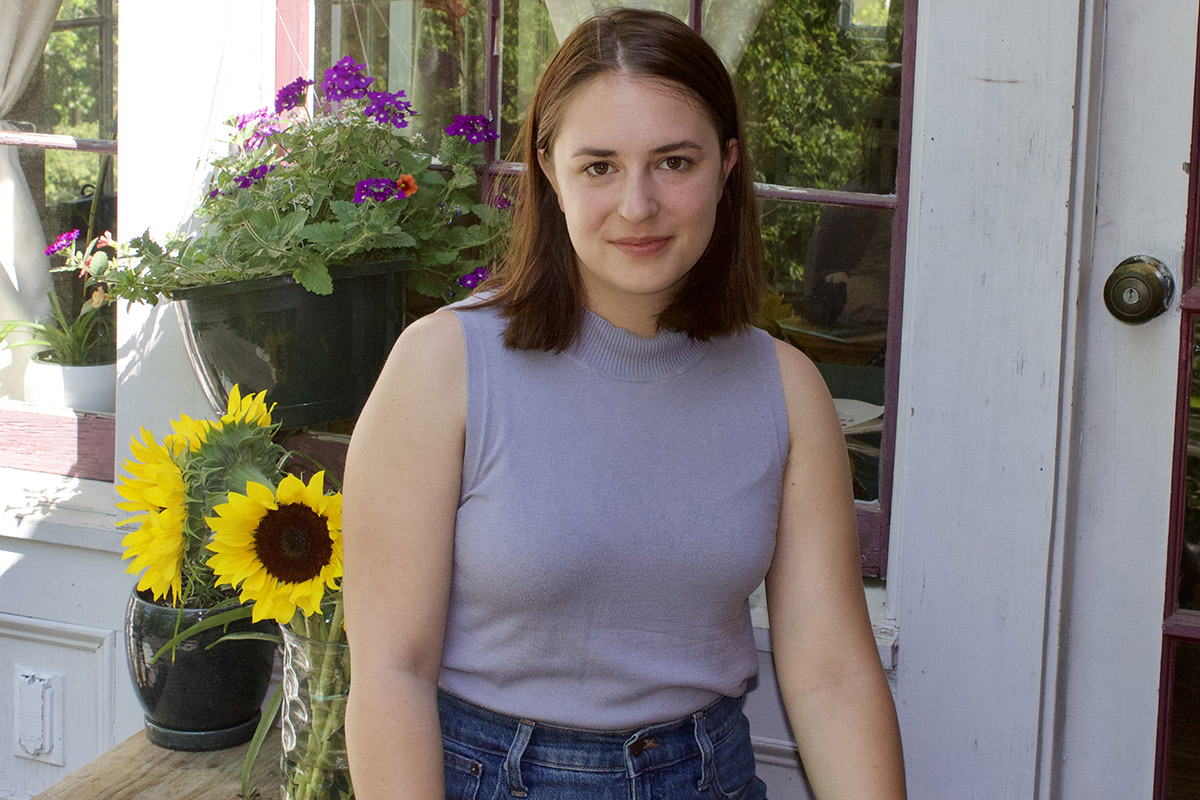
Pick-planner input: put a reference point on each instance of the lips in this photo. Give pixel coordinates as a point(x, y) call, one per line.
point(641, 246)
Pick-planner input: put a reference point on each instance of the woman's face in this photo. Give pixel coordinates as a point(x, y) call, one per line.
point(638, 169)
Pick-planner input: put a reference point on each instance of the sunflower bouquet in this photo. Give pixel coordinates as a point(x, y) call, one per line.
point(222, 523)
point(173, 487)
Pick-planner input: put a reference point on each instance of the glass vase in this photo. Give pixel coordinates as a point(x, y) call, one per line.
point(316, 683)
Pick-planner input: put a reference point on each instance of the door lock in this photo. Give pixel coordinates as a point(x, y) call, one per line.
point(1138, 290)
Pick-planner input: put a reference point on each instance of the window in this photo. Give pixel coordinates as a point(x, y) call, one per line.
point(68, 115)
point(63, 128)
point(824, 87)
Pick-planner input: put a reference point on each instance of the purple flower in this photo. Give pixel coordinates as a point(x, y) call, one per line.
point(63, 241)
point(381, 189)
point(386, 108)
point(476, 128)
point(345, 81)
point(213, 193)
point(253, 176)
point(473, 279)
point(262, 124)
point(291, 95)
point(502, 202)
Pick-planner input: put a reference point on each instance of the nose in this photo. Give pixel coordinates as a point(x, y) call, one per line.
point(639, 199)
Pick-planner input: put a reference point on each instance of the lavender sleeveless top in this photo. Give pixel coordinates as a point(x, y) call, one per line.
point(619, 504)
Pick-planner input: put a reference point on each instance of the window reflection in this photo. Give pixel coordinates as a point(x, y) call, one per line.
point(430, 49)
point(1183, 757)
point(821, 101)
point(1189, 562)
point(830, 269)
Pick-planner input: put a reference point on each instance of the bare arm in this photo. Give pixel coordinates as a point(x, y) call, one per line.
point(403, 473)
point(825, 656)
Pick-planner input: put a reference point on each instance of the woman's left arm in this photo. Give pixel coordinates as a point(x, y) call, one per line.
point(832, 681)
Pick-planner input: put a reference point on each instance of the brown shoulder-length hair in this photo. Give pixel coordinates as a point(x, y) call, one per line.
point(536, 283)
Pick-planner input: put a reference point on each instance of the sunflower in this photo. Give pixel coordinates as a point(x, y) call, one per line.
point(173, 486)
point(282, 547)
point(156, 492)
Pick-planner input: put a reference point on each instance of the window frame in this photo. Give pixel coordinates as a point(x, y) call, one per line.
point(79, 444)
point(873, 516)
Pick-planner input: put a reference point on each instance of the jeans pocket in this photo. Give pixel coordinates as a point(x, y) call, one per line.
point(734, 765)
point(462, 776)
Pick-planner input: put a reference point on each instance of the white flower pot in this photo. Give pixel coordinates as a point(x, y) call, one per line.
point(91, 388)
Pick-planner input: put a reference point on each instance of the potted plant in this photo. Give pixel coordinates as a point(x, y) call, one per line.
point(325, 211)
point(74, 367)
point(198, 692)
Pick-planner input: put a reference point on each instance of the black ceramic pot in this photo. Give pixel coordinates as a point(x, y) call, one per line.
point(318, 356)
point(202, 698)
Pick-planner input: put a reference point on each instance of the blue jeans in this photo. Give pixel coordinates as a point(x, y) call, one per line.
point(705, 756)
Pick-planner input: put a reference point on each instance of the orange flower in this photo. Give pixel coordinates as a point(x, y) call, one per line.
point(406, 185)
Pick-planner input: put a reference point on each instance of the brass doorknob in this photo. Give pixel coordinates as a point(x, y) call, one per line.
point(1138, 290)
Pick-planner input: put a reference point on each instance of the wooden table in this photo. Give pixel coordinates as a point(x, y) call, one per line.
point(138, 770)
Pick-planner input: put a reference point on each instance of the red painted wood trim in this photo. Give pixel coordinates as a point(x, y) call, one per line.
point(328, 451)
point(872, 541)
point(293, 42)
point(60, 441)
point(1190, 301)
point(1183, 624)
point(1180, 625)
point(891, 378)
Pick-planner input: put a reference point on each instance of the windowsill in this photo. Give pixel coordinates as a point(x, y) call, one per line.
point(57, 441)
point(57, 509)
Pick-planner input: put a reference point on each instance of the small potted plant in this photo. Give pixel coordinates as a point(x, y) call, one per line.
point(74, 366)
point(311, 231)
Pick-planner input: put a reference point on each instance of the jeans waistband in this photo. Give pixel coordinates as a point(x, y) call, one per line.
point(632, 751)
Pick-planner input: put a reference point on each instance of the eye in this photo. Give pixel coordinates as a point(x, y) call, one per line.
point(598, 169)
point(675, 163)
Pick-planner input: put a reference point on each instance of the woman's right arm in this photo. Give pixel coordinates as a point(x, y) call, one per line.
point(403, 474)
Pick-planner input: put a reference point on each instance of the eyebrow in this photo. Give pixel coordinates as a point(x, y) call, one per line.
point(597, 152)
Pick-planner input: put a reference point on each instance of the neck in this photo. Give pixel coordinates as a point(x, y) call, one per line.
point(638, 315)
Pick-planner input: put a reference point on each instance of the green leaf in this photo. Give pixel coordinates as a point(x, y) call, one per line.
point(345, 211)
point(314, 277)
point(274, 638)
point(216, 620)
point(260, 735)
point(289, 226)
point(323, 234)
point(463, 176)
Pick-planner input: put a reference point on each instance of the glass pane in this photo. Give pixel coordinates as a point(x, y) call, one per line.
point(830, 266)
point(819, 82)
point(1189, 564)
point(1183, 746)
point(431, 49)
point(78, 9)
point(73, 94)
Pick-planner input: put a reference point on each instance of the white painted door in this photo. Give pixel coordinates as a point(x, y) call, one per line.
point(1119, 422)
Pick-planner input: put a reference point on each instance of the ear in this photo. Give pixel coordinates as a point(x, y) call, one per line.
point(729, 158)
point(546, 163)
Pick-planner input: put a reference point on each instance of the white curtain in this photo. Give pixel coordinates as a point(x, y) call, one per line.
point(727, 25)
point(24, 267)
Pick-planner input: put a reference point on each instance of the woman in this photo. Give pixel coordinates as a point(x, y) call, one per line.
point(560, 496)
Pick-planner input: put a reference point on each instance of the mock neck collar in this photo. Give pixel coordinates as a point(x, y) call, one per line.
point(617, 353)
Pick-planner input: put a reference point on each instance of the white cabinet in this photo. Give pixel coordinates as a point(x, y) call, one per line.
point(65, 694)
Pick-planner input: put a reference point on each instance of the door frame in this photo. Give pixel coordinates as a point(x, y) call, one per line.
point(1180, 626)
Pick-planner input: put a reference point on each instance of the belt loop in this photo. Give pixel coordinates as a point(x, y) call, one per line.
point(512, 764)
point(706, 751)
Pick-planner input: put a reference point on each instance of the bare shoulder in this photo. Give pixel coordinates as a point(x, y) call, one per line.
point(429, 356)
point(433, 342)
point(804, 390)
point(422, 384)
